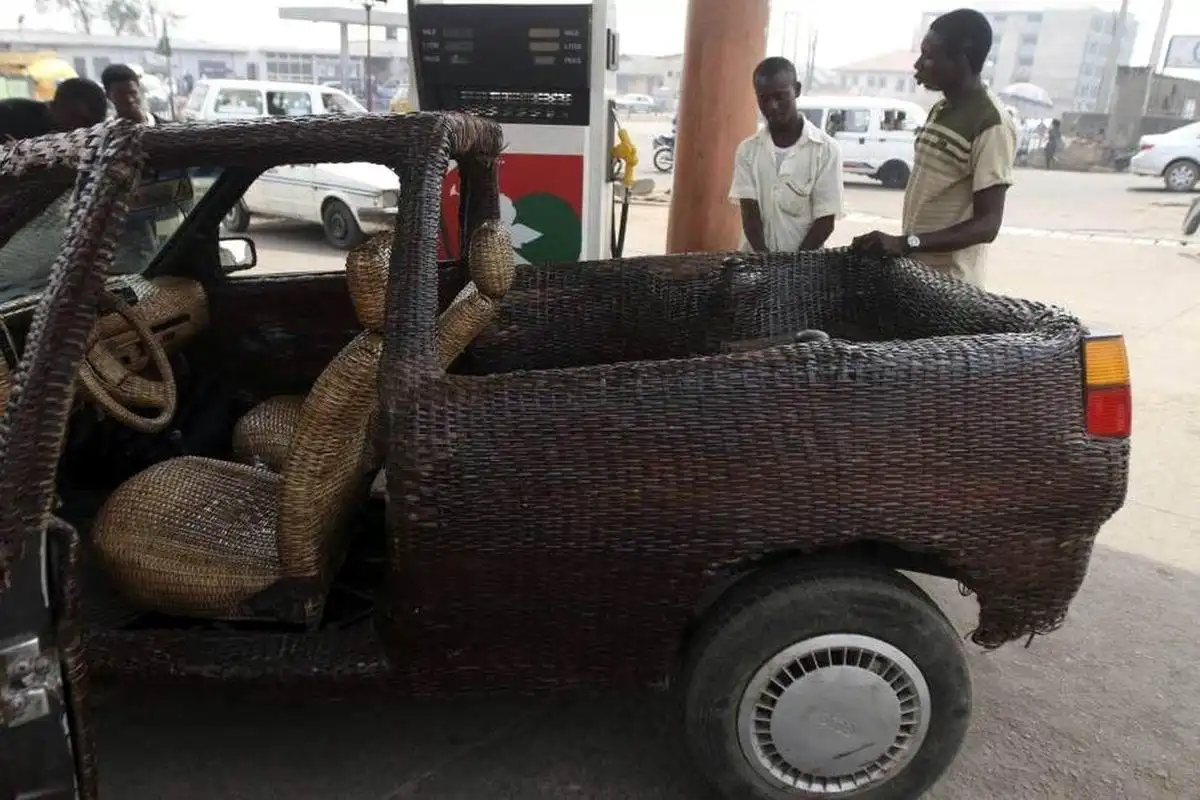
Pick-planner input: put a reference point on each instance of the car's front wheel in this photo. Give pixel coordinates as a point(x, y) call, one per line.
point(341, 228)
point(838, 682)
point(1182, 176)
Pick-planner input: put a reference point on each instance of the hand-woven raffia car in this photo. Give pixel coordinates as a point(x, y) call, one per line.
point(699, 472)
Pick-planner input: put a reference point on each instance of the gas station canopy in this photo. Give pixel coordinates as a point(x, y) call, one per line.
point(346, 16)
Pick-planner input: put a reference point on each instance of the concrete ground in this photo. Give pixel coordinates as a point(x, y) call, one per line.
point(1106, 708)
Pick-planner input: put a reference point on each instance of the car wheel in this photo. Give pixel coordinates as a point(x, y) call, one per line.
point(828, 683)
point(1182, 176)
point(341, 228)
point(894, 175)
point(238, 218)
point(664, 159)
point(1191, 221)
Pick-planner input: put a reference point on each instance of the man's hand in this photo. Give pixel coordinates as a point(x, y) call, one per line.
point(878, 244)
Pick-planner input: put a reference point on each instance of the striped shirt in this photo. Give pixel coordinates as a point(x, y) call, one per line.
point(961, 149)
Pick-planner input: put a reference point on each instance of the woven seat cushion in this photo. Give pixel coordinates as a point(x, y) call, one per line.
point(264, 434)
point(192, 536)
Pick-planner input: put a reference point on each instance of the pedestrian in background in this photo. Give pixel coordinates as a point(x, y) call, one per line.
point(1054, 142)
point(163, 198)
point(123, 87)
point(787, 177)
point(963, 165)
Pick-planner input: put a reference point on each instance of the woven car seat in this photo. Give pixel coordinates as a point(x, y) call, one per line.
point(264, 434)
point(200, 537)
point(205, 538)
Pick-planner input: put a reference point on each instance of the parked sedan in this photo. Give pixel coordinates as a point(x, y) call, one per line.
point(1173, 156)
point(636, 103)
point(349, 201)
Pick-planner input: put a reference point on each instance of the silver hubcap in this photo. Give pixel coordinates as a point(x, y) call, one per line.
point(834, 715)
point(1182, 176)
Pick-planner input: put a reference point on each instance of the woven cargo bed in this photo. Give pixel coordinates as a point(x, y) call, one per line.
point(603, 430)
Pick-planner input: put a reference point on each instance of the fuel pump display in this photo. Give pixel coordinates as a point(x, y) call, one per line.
point(542, 72)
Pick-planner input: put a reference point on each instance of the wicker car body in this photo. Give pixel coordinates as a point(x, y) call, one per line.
point(623, 443)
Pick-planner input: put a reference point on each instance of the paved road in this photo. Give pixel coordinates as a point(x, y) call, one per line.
point(1107, 708)
point(1067, 202)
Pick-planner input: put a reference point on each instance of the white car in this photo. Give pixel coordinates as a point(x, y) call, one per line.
point(349, 201)
point(1173, 156)
point(636, 103)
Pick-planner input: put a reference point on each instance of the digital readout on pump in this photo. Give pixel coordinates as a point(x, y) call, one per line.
point(479, 45)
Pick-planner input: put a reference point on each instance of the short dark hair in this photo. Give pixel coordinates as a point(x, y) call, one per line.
point(967, 33)
point(776, 65)
point(117, 73)
point(82, 93)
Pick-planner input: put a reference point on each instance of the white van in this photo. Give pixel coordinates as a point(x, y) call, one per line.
point(349, 201)
point(876, 135)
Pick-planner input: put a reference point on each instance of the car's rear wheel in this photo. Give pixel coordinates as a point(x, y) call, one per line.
point(827, 683)
point(341, 228)
point(238, 218)
point(894, 175)
point(1182, 175)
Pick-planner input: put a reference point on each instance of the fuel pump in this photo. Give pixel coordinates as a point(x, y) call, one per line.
point(545, 73)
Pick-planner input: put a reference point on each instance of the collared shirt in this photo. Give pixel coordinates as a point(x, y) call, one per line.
point(960, 150)
point(794, 186)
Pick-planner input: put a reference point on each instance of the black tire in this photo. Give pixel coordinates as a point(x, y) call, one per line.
point(798, 603)
point(341, 228)
point(1191, 220)
point(894, 175)
point(1182, 175)
point(238, 218)
point(664, 159)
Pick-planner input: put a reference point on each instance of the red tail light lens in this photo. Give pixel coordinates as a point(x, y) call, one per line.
point(1146, 147)
point(1110, 412)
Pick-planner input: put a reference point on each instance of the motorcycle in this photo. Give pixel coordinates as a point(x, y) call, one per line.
point(664, 152)
point(1191, 220)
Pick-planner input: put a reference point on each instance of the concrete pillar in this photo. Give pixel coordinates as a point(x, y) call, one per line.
point(344, 55)
point(724, 42)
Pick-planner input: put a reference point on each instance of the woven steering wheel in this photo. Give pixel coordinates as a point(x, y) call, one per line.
point(120, 392)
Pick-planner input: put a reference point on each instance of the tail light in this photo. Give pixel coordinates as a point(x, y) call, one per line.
point(1145, 147)
point(1108, 399)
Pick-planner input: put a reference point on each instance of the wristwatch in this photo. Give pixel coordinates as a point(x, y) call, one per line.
point(912, 243)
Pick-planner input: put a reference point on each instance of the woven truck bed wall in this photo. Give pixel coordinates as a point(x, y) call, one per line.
point(957, 432)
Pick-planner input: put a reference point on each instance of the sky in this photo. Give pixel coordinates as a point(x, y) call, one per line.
point(847, 30)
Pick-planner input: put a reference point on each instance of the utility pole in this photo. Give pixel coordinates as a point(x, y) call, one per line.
point(811, 65)
point(367, 64)
point(1111, 63)
point(1160, 36)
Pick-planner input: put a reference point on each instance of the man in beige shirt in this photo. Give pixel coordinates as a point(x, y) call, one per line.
point(787, 178)
point(963, 165)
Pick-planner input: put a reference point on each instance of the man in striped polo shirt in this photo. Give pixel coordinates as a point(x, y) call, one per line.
point(963, 165)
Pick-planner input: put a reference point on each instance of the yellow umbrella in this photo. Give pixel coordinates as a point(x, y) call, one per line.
point(50, 69)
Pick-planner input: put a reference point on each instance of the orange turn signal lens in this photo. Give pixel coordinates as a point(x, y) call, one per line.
point(1105, 362)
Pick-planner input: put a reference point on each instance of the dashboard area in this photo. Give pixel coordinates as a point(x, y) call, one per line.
point(174, 309)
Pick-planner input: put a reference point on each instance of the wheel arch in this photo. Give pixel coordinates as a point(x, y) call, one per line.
point(746, 576)
point(1180, 160)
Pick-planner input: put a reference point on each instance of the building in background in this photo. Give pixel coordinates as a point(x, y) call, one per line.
point(889, 75)
point(90, 54)
point(656, 76)
point(1060, 48)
